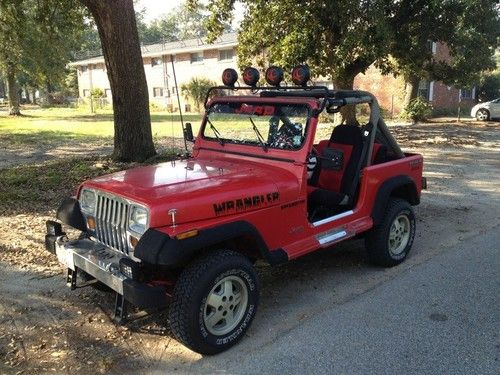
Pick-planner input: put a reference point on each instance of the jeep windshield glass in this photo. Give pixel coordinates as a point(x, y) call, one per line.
point(277, 126)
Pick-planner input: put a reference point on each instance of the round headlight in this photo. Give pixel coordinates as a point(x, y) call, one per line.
point(88, 201)
point(274, 75)
point(229, 77)
point(251, 76)
point(138, 221)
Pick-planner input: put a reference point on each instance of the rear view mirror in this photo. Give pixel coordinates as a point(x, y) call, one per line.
point(188, 132)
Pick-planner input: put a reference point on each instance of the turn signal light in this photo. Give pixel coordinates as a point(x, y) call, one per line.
point(91, 223)
point(189, 234)
point(133, 241)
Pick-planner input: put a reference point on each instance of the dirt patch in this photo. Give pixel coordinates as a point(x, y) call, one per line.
point(44, 327)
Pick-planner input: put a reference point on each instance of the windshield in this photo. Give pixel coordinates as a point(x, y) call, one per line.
point(276, 126)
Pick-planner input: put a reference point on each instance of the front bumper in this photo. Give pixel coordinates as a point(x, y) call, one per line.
point(102, 263)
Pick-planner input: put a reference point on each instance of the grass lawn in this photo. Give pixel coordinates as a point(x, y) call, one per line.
point(55, 124)
point(24, 189)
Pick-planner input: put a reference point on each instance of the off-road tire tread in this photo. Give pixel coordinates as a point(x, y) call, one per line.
point(178, 317)
point(376, 240)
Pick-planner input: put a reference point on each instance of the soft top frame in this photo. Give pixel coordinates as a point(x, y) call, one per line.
point(332, 100)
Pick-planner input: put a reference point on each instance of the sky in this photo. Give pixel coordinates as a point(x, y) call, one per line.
point(157, 8)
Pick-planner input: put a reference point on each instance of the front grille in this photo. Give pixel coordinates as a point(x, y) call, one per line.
point(111, 222)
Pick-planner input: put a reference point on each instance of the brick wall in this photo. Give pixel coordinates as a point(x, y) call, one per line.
point(389, 90)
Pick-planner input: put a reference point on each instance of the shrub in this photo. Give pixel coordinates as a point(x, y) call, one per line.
point(97, 93)
point(154, 107)
point(196, 89)
point(418, 110)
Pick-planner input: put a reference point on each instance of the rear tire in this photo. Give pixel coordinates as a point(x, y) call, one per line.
point(482, 115)
point(214, 302)
point(389, 242)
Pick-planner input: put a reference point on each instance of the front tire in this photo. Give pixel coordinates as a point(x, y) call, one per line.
point(482, 115)
point(389, 242)
point(214, 302)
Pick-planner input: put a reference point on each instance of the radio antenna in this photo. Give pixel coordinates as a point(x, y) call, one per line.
point(178, 101)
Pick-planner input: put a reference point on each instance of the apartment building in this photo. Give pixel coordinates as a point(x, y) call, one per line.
point(195, 58)
point(190, 58)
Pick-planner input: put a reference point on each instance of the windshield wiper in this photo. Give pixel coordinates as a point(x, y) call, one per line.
point(216, 132)
point(259, 136)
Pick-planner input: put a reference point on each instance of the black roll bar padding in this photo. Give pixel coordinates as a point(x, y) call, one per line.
point(390, 139)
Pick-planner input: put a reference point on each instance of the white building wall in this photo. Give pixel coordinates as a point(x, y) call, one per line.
point(160, 75)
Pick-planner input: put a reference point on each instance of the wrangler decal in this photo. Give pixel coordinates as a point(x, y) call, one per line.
point(293, 204)
point(245, 203)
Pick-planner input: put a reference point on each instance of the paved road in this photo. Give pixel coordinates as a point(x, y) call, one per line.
point(439, 317)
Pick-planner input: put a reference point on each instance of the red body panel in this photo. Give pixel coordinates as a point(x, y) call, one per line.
point(268, 189)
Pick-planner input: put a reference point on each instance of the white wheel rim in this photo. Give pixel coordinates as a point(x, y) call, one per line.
point(225, 305)
point(482, 115)
point(399, 235)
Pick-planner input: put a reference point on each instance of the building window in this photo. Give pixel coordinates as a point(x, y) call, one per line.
point(467, 94)
point(174, 90)
point(197, 57)
point(432, 47)
point(424, 90)
point(86, 93)
point(155, 61)
point(157, 91)
point(226, 55)
point(107, 93)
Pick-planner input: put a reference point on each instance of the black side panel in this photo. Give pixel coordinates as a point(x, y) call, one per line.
point(69, 213)
point(156, 247)
point(398, 186)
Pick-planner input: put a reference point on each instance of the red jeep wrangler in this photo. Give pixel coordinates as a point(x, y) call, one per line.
point(186, 234)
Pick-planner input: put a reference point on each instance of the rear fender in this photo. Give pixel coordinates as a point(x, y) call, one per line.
point(399, 187)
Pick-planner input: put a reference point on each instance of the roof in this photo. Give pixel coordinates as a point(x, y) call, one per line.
point(172, 48)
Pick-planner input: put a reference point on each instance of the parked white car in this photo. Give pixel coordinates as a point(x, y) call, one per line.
point(486, 111)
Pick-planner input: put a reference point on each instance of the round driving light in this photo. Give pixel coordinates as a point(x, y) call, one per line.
point(274, 75)
point(301, 75)
point(251, 76)
point(229, 77)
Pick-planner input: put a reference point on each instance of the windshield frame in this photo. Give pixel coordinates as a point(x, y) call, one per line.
point(256, 101)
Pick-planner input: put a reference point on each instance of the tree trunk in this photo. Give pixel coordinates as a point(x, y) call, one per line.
point(46, 93)
point(411, 89)
point(115, 20)
point(348, 112)
point(34, 96)
point(27, 94)
point(13, 88)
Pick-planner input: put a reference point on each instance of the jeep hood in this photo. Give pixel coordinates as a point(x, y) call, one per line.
point(200, 189)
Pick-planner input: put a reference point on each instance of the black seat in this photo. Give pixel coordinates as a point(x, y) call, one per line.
point(339, 161)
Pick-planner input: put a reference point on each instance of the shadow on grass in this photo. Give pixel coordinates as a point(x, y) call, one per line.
point(100, 117)
point(39, 189)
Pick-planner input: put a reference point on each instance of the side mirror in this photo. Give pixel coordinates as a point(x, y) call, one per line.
point(188, 132)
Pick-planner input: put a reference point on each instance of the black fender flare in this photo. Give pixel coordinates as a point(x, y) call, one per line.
point(158, 248)
point(405, 188)
point(70, 213)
